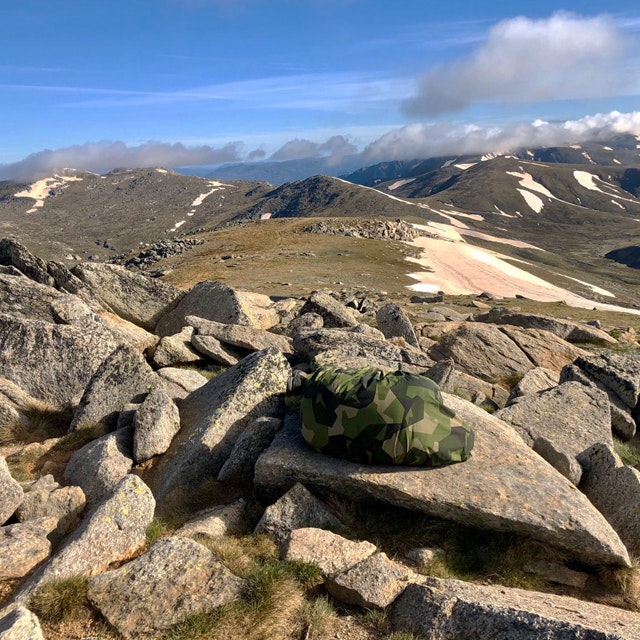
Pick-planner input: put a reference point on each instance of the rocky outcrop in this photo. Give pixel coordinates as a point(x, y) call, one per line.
point(571, 417)
point(132, 296)
point(333, 313)
point(113, 531)
point(176, 578)
point(101, 464)
point(213, 349)
point(51, 362)
point(14, 254)
point(25, 299)
point(566, 329)
point(614, 488)
point(215, 301)
point(18, 623)
point(498, 488)
point(213, 416)
point(451, 610)
point(176, 350)
point(120, 379)
point(228, 519)
point(393, 321)
point(24, 546)
point(179, 383)
point(533, 381)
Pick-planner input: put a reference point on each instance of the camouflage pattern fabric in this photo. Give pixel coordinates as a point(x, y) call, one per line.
point(371, 417)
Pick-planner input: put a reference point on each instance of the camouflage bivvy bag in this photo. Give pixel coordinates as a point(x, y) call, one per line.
point(371, 417)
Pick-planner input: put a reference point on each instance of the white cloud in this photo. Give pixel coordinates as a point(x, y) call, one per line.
point(427, 140)
point(526, 60)
point(105, 156)
point(336, 147)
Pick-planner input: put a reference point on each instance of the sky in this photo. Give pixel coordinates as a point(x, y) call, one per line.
point(99, 85)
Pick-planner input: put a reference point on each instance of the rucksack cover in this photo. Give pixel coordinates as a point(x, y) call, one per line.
point(372, 417)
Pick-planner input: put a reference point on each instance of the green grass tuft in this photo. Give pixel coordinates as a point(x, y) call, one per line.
point(61, 600)
point(629, 454)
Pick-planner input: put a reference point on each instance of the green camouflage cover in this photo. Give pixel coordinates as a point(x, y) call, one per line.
point(372, 417)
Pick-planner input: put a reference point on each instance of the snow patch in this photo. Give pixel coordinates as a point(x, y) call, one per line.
point(532, 200)
point(575, 146)
point(466, 165)
point(585, 155)
point(527, 182)
point(400, 183)
point(607, 148)
point(265, 216)
point(162, 171)
point(616, 161)
point(40, 190)
point(618, 204)
point(447, 163)
point(216, 186)
point(602, 292)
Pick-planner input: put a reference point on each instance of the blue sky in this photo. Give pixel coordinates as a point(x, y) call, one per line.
point(176, 82)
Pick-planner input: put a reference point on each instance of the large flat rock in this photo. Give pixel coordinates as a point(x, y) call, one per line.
point(504, 486)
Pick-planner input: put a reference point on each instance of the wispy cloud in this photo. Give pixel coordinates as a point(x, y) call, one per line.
point(527, 60)
point(335, 148)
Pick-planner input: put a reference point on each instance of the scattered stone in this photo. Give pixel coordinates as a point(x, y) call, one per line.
point(334, 314)
point(373, 583)
point(244, 337)
point(65, 504)
point(176, 578)
point(18, 623)
point(305, 322)
point(122, 378)
point(216, 522)
point(99, 466)
point(214, 349)
point(51, 362)
point(155, 424)
point(177, 350)
point(24, 546)
point(112, 532)
point(393, 321)
point(558, 573)
point(213, 416)
point(560, 460)
point(367, 330)
point(441, 374)
point(572, 417)
point(423, 556)
point(614, 489)
point(479, 492)
point(256, 437)
point(133, 296)
point(331, 552)
point(179, 383)
point(11, 493)
point(296, 509)
point(452, 609)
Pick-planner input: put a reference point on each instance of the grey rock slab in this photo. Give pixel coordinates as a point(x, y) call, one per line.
point(533, 381)
point(571, 416)
point(11, 493)
point(23, 298)
point(122, 378)
point(112, 532)
point(216, 522)
point(100, 465)
point(18, 623)
point(373, 583)
point(215, 350)
point(367, 330)
point(452, 610)
point(244, 337)
point(176, 349)
point(132, 296)
point(65, 504)
point(24, 546)
point(558, 573)
point(331, 552)
point(255, 438)
point(297, 508)
point(12, 253)
point(305, 322)
point(500, 487)
point(568, 330)
point(566, 463)
point(336, 346)
point(619, 372)
point(211, 300)
point(334, 314)
point(441, 374)
point(176, 578)
point(179, 383)
point(614, 489)
point(156, 422)
point(51, 362)
point(213, 416)
point(394, 322)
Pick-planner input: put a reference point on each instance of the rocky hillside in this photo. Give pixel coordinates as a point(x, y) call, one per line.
point(140, 498)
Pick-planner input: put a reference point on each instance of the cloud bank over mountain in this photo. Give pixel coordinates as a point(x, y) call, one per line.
point(417, 140)
point(564, 56)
